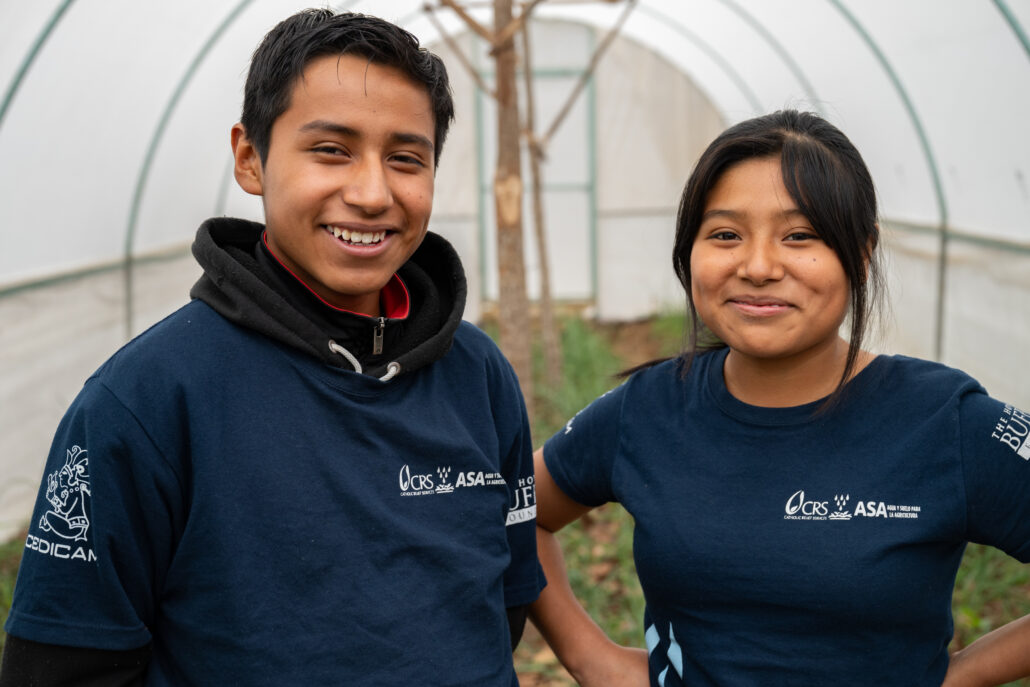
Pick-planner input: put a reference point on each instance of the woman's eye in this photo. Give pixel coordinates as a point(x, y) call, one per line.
point(723, 235)
point(802, 236)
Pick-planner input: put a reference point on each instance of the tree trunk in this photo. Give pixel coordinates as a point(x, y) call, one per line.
point(513, 304)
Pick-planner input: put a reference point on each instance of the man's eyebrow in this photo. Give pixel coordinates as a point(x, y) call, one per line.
point(322, 125)
point(329, 127)
point(414, 139)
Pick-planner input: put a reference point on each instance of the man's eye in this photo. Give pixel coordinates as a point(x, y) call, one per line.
point(408, 160)
point(328, 150)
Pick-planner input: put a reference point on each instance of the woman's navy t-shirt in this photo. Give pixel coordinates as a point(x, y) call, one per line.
point(783, 546)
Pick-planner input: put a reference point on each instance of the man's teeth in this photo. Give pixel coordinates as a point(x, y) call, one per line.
point(363, 237)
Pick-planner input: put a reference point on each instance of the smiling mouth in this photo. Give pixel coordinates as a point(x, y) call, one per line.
point(356, 238)
point(761, 306)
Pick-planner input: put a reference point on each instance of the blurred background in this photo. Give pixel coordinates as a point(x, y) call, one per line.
point(114, 146)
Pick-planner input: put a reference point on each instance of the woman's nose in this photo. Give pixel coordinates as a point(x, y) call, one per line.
point(760, 263)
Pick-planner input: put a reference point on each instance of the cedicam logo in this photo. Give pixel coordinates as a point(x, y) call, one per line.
point(800, 507)
point(67, 520)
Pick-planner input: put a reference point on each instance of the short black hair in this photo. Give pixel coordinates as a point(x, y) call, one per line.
point(295, 42)
point(827, 178)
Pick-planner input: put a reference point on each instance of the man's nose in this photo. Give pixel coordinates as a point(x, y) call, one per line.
point(368, 188)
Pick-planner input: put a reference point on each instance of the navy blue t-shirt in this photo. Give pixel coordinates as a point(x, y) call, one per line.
point(779, 546)
point(265, 519)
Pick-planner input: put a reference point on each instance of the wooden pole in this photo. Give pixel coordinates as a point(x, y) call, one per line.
point(548, 328)
point(513, 304)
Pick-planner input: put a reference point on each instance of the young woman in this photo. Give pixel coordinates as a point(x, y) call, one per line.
point(801, 505)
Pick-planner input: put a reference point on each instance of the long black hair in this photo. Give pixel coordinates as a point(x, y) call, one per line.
point(827, 178)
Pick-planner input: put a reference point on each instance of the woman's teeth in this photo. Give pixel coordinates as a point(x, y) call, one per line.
point(358, 237)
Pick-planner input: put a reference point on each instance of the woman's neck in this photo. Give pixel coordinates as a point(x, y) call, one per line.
point(785, 382)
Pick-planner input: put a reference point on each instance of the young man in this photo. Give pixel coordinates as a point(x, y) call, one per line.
point(315, 473)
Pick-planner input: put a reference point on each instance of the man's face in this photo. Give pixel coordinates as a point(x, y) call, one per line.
point(347, 186)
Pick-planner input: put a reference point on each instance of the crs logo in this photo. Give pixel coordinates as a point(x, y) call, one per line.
point(797, 504)
point(410, 482)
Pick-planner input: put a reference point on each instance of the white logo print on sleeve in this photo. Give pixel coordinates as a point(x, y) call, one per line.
point(1013, 430)
point(68, 494)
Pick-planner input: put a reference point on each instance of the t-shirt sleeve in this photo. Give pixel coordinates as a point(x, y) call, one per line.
point(100, 534)
point(996, 462)
point(524, 577)
point(581, 455)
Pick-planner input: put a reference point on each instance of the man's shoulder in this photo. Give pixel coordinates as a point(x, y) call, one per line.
point(187, 336)
point(474, 344)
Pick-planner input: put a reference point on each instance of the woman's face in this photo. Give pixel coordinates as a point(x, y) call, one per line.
point(761, 277)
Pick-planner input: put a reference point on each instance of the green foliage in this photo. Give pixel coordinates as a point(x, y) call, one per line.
point(990, 590)
point(670, 329)
point(599, 555)
point(10, 557)
point(589, 368)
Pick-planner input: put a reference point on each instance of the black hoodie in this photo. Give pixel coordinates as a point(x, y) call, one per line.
point(245, 283)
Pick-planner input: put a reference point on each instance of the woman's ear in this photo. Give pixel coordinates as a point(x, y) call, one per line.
point(870, 246)
point(247, 167)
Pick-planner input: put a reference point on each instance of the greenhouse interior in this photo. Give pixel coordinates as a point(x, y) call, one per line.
point(114, 132)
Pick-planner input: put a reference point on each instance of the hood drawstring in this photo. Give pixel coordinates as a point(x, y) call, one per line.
point(391, 370)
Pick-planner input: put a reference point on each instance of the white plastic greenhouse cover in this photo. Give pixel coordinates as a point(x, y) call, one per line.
point(114, 126)
point(114, 118)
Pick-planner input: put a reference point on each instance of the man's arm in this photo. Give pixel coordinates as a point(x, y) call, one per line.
point(49, 665)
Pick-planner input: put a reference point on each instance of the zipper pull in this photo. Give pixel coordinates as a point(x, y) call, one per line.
point(377, 336)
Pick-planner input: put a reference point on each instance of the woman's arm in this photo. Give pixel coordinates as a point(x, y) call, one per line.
point(998, 657)
point(577, 641)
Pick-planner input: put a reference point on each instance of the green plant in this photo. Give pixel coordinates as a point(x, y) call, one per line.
point(10, 557)
point(589, 368)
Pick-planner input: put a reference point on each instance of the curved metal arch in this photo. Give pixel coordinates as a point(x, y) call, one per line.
point(780, 50)
point(1017, 28)
point(931, 161)
point(712, 53)
point(30, 58)
point(150, 155)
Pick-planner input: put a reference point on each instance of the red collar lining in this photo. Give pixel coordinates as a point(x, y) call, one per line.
point(394, 299)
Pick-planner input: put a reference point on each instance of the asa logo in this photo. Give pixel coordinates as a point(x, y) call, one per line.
point(870, 509)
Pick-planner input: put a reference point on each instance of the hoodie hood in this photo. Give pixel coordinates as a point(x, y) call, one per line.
point(248, 288)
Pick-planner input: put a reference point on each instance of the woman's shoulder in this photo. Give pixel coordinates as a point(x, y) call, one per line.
point(906, 376)
point(919, 369)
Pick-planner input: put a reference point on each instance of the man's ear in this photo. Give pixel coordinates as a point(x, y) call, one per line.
point(247, 167)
